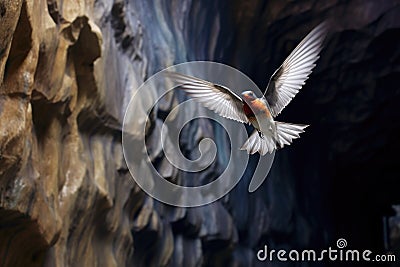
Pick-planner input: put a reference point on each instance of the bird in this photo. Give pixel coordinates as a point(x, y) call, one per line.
point(269, 135)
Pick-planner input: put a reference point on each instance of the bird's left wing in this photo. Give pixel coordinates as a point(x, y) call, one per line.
point(287, 80)
point(217, 98)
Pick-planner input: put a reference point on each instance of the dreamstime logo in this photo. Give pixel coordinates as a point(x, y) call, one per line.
point(146, 100)
point(341, 243)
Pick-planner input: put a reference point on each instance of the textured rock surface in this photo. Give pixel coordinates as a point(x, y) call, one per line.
point(68, 69)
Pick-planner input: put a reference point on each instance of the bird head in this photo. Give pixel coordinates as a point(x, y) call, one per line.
point(248, 96)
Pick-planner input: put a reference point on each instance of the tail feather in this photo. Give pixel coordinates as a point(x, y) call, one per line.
point(264, 144)
point(256, 143)
point(288, 131)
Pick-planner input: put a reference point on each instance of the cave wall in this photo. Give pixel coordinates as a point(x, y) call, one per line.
point(68, 69)
point(58, 179)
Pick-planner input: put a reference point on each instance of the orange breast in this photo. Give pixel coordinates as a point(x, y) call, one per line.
point(247, 110)
point(258, 107)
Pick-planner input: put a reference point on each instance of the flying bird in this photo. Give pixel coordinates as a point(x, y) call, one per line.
point(284, 84)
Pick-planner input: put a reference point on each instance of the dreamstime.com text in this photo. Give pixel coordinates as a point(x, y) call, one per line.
point(330, 254)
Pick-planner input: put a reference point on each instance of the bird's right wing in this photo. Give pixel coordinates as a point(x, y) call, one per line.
point(217, 98)
point(287, 80)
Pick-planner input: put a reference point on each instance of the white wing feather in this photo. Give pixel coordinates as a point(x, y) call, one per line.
point(217, 98)
point(288, 79)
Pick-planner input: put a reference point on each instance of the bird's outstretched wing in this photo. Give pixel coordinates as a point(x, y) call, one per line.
point(217, 98)
point(288, 79)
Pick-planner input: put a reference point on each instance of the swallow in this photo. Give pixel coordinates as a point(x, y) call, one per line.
point(284, 84)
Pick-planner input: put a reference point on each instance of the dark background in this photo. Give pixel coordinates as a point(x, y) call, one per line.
point(341, 178)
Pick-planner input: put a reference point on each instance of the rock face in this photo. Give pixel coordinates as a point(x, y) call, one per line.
point(68, 69)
